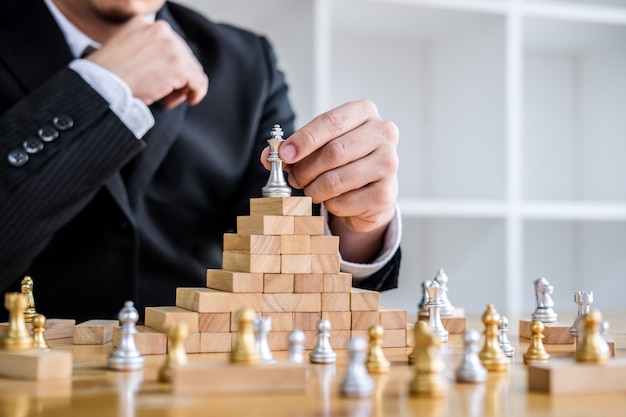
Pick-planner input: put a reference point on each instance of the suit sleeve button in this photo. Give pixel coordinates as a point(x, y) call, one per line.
point(32, 145)
point(48, 133)
point(63, 122)
point(18, 157)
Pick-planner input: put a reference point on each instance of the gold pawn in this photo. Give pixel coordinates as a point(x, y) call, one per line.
point(593, 348)
point(245, 350)
point(376, 362)
point(536, 350)
point(429, 379)
point(16, 336)
point(39, 328)
point(27, 290)
point(176, 354)
point(492, 356)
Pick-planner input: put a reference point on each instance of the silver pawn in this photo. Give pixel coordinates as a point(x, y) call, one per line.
point(545, 306)
point(442, 279)
point(323, 352)
point(434, 304)
point(357, 382)
point(296, 346)
point(276, 185)
point(421, 307)
point(503, 338)
point(471, 368)
point(583, 300)
point(262, 326)
point(126, 356)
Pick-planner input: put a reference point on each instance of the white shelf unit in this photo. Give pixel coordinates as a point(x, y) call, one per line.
point(512, 117)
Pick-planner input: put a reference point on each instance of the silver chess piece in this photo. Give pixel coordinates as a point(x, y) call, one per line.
point(323, 352)
point(357, 382)
point(126, 356)
point(545, 306)
point(421, 307)
point(434, 305)
point(296, 340)
point(503, 338)
point(583, 300)
point(471, 368)
point(276, 185)
point(442, 279)
point(262, 326)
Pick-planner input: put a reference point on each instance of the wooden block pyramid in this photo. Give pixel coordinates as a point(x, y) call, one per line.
point(280, 264)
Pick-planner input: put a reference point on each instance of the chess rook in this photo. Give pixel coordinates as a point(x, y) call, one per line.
point(276, 185)
point(16, 336)
point(583, 300)
point(126, 356)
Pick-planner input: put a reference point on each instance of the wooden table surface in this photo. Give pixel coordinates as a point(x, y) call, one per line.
point(94, 391)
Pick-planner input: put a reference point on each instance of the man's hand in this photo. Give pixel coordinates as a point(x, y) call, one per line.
point(155, 63)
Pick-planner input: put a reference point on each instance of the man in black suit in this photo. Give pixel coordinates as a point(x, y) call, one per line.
point(123, 170)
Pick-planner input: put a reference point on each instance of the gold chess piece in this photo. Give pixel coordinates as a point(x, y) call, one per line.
point(492, 356)
point(429, 379)
point(376, 362)
point(27, 290)
point(536, 350)
point(176, 354)
point(16, 336)
point(592, 348)
point(245, 350)
point(39, 328)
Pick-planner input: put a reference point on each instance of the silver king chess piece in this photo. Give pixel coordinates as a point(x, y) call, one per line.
point(126, 356)
point(276, 185)
point(583, 300)
point(262, 326)
point(545, 306)
point(442, 279)
point(434, 305)
point(503, 338)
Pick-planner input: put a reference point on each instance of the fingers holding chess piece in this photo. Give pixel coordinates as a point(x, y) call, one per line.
point(16, 336)
point(39, 329)
point(592, 348)
point(176, 354)
point(376, 362)
point(536, 350)
point(245, 350)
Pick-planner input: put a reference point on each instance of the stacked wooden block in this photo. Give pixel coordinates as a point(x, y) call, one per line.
point(280, 264)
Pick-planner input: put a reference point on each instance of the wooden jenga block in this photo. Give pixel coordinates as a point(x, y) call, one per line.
point(281, 322)
point(312, 226)
point(233, 281)
point(394, 338)
point(256, 244)
point(565, 376)
point(363, 320)
point(278, 283)
point(94, 332)
point(149, 341)
point(203, 300)
point(339, 320)
point(277, 302)
point(295, 264)
point(295, 244)
point(410, 334)
point(306, 321)
point(306, 302)
point(278, 340)
point(308, 283)
point(326, 264)
point(215, 342)
point(55, 328)
point(213, 322)
point(310, 339)
point(325, 245)
point(265, 225)
point(36, 364)
point(335, 301)
point(340, 282)
point(553, 333)
point(339, 338)
point(454, 324)
point(245, 262)
point(253, 300)
point(364, 300)
point(192, 343)
point(159, 317)
point(282, 206)
point(393, 318)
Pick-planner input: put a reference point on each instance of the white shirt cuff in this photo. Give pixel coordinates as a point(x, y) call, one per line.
point(391, 243)
point(133, 112)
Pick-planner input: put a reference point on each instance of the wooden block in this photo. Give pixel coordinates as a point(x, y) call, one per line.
point(395, 338)
point(256, 244)
point(233, 281)
point(326, 264)
point(55, 328)
point(410, 334)
point(306, 302)
point(201, 377)
point(455, 324)
point(335, 301)
point(36, 365)
point(312, 226)
point(277, 302)
point(553, 333)
point(364, 300)
point(393, 318)
point(245, 262)
point(203, 300)
point(295, 264)
point(278, 283)
point(295, 244)
point(565, 376)
point(339, 338)
point(324, 245)
point(339, 320)
point(214, 322)
point(308, 283)
point(282, 206)
point(253, 300)
point(159, 317)
point(363, 320)
point(94, 332)
point(306, 321)
point(281, 322)
point(192, 343)
point(341, 282)
point(310, 339)
point(215, 342)
point(278, 340)
point(149, 341)
point(265, 225)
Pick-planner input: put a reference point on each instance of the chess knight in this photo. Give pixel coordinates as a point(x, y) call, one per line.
point(545, 306)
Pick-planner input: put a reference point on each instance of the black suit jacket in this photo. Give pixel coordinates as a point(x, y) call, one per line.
point(98, 217)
